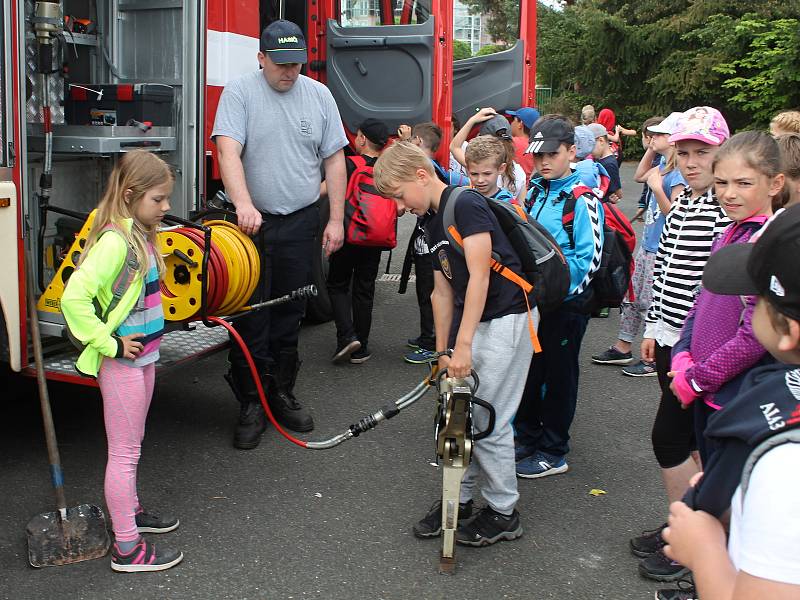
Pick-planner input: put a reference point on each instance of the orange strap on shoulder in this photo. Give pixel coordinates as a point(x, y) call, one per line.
point(501, 269)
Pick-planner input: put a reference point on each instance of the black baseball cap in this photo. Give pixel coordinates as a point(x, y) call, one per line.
point(498, 126)
point(767, 268)
point(375, 131)
point(284, 43)
point(547, 135)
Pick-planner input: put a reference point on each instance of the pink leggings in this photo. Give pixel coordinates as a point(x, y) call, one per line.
point(127, 392)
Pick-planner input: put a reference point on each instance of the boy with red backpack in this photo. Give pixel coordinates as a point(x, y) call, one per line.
point(370, 228)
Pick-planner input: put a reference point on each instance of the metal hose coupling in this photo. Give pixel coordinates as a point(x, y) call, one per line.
point(371, 421)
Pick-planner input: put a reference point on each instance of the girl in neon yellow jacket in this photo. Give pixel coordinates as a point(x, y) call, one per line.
point(121, 336)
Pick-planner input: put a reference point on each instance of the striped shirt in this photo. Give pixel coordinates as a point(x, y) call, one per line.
point(691, 227)
point(146, 317)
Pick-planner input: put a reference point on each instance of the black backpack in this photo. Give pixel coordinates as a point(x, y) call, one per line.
point(545, 274)
point(612, 279)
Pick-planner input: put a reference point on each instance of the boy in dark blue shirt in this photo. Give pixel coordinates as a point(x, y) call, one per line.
point(483, 317)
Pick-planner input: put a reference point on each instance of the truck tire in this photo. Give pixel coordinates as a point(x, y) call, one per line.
point(318, 309)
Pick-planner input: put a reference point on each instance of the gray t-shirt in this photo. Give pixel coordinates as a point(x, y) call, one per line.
point(285, 135)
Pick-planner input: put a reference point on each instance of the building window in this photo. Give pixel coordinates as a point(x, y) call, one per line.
point(467, 27)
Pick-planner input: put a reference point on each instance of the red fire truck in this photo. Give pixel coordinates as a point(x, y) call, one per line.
point(82, 81)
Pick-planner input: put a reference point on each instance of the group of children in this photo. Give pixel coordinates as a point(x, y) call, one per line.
point(711, 195)
point(709, 192)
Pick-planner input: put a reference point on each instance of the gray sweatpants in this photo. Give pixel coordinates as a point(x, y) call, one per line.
point(501, 355)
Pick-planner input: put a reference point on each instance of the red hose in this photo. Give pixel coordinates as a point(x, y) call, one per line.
point(257, 380)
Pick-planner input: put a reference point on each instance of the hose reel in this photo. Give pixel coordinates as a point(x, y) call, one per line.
point(232, 267)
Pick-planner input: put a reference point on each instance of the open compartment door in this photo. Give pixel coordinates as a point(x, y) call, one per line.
point(493, 80)
point(381, 71)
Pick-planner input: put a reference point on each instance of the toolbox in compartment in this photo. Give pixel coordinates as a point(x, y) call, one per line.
point(119, 103)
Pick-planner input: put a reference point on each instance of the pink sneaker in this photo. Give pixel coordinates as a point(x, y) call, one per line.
point(144, 557)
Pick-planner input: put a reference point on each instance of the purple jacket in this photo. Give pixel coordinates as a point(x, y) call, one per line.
point(718, 332)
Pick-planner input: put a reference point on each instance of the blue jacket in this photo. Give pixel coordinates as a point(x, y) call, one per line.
point(589, 172)
point(546, 201)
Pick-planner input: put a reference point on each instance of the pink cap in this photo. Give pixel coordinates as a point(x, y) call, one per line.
point(701, 123)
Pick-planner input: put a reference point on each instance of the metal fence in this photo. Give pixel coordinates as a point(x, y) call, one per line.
point(544, 95)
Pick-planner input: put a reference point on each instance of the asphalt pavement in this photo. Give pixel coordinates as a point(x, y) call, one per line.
point(285, 522)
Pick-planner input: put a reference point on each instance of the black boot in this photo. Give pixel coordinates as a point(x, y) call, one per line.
point(252, 420)
point(285, 407)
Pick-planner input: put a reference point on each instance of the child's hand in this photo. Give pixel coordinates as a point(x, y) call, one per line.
point(648, 350)
point(695, 479)
point(483, 114)
point(690, 534)
point(404, 132)
point(654, 179)
point(461, 362)
point(130, 347)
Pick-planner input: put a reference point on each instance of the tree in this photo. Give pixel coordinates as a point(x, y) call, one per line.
point(503, 22)
point(490, 49)
point(461, 50)
point(654, 56)
point(765, 79)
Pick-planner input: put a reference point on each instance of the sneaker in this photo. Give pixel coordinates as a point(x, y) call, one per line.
point(648, 543)
point(414, 342)
point(684, 591)
point(420, 356)
point(612, 356)
point(343, 351)
point(541, 465)
point(640, 369)
point(660, 567)
point(431, 524)
point(144, 557)
point(148, 521)
point(489, 527)
point(361, 355)
point(601, 313)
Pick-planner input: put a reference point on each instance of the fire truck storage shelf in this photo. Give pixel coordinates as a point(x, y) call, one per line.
point(96, 139)
point(177, 347)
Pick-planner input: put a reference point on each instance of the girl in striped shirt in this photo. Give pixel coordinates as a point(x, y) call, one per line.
point(694, 221)
point(121, 337)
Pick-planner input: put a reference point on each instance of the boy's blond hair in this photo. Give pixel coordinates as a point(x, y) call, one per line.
point(788, 121)
point(398, 164)
point(789, 146)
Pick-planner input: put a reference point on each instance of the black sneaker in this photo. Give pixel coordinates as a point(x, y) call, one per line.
point(149, 521)
point(648, 543)
point(612, 356)
point(144, 557)
point(343, 351)
point(684, 591)
point(414, 342)
point(489, 527)
point(431, 524)
point(660, 567)
point(361, 355)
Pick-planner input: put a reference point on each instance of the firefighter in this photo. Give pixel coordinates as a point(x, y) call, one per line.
point(276, 131)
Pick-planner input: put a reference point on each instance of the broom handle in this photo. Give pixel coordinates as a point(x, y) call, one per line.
point(44, 399)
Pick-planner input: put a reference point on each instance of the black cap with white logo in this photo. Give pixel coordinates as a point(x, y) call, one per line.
point(767, 268)
point(547, 135)
point(284, 43)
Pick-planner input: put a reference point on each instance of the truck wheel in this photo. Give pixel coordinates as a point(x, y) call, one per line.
point(318, 309)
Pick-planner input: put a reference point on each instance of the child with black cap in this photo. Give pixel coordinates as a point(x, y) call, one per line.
point(551, 391)
point(753, 467)
point(353, 269)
